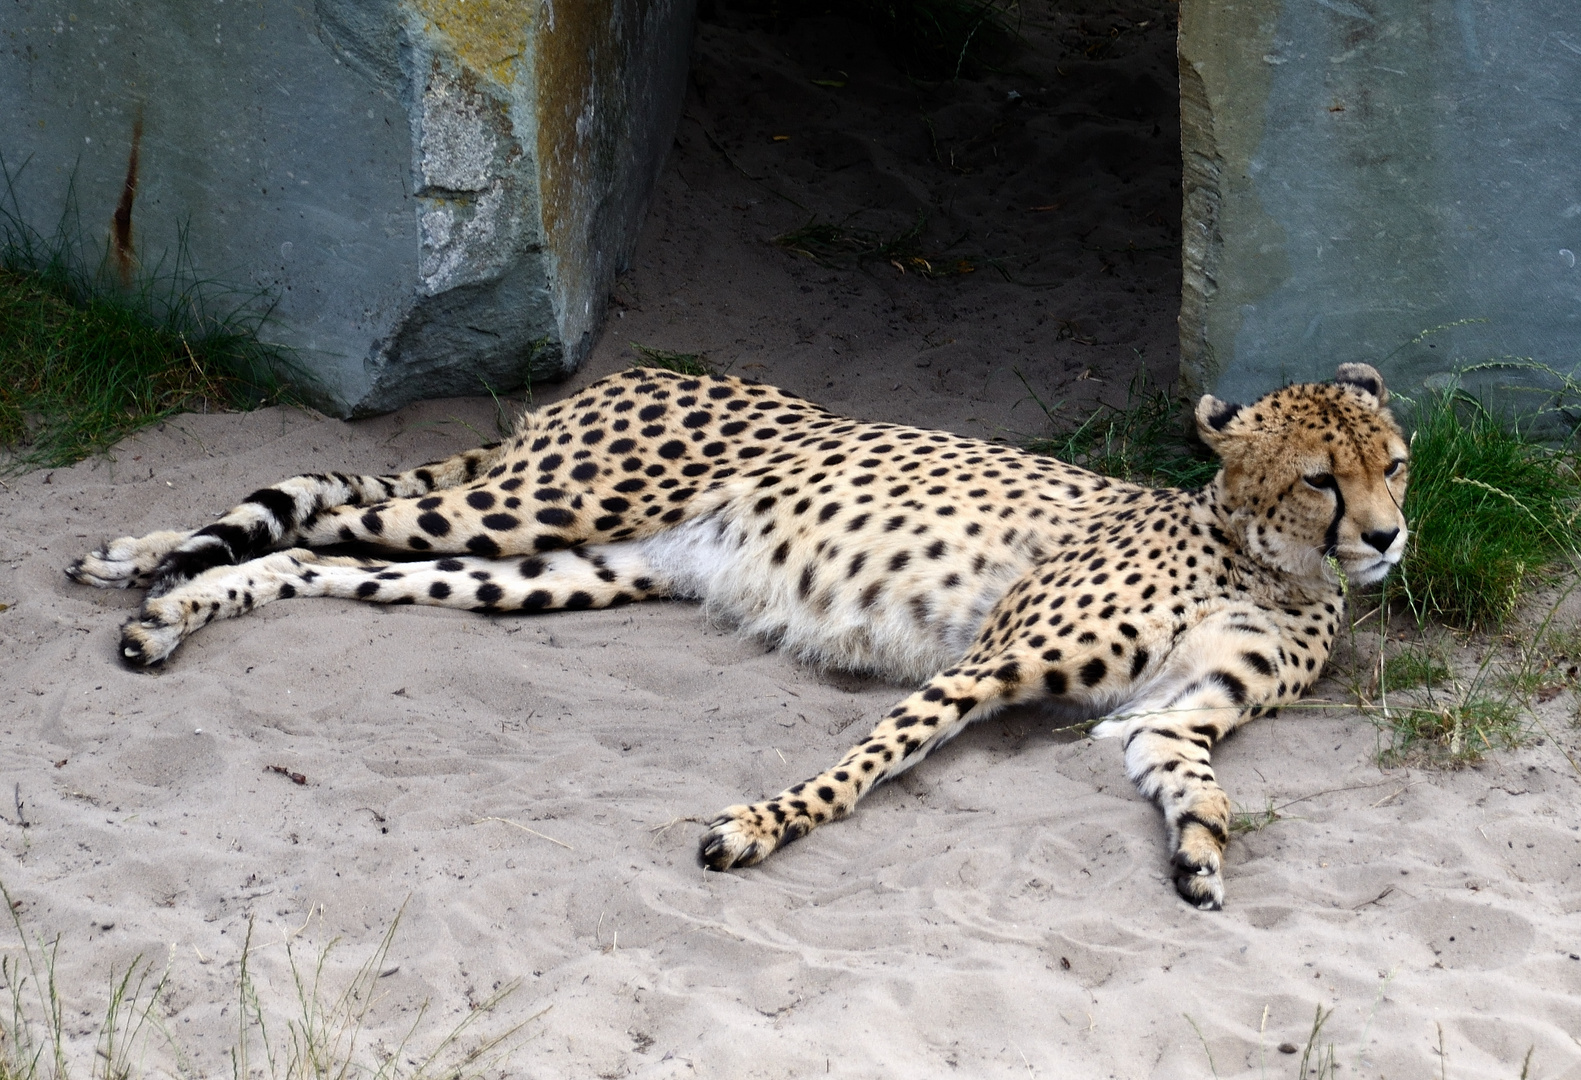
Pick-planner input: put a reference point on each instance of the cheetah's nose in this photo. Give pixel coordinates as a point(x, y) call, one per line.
point(1380, 539)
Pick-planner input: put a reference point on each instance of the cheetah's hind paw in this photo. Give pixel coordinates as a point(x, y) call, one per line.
point(147, 639)
point(127, 563)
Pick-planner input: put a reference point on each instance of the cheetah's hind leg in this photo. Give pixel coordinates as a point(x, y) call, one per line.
point(127, 563)
point(596, 576)
point(267, 519)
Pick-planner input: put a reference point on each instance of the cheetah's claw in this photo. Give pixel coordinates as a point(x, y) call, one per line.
point(742, 836)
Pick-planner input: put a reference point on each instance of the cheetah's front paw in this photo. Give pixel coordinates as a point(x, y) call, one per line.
point(744, 836)
point(127, 563)
point(1197, 865)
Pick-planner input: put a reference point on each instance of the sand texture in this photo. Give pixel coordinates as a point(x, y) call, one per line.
point(529, 788)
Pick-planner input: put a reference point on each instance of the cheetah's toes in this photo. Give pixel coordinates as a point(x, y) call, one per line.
point(743, 836)
point(127, 563)
point(1197, 865)
point(150, 636)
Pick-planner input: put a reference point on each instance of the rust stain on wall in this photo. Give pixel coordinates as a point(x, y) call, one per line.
point(121, 229)
point(577, 70)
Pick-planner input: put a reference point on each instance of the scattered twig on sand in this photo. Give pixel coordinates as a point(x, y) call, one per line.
point(675, 821)
point(1394, 795)
point(525, 829)
point(295, 777)
point(1368, 903)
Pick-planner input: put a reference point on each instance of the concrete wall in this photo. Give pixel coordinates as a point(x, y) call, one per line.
point(1359, 171)
point(438, 191)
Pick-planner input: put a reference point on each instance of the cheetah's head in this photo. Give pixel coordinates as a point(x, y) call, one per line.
point(1313, 471)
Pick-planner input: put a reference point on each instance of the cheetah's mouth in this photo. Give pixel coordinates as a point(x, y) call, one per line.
point(1371, 571)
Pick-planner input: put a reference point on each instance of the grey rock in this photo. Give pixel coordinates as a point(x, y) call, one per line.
point(1389, 181)
point(437, 193)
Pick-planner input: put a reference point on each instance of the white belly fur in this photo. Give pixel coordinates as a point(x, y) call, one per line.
point(728, 567)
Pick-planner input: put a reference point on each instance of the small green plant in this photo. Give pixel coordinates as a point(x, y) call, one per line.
point(1323, 1065)
point(1243, 822)
point(85, 359)
point(1552, 664)
point(1144, 441)
point(1413, 666)
point(682, 363)
point(1455, 730)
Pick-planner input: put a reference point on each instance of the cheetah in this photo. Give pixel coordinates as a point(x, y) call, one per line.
point(983, 574)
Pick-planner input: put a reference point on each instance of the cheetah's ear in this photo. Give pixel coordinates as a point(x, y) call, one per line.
point(1363, 377)
point(1213, 416)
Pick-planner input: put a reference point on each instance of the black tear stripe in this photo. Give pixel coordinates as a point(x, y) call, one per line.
point(1331, 537)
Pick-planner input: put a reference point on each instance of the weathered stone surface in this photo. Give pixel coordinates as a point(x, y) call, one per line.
point(438, 191)
point(1359, 171)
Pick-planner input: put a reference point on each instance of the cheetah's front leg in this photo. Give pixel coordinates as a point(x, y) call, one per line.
point(745, 835)
point(1224, 672)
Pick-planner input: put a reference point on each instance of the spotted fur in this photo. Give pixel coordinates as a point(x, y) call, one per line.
point(988, 575)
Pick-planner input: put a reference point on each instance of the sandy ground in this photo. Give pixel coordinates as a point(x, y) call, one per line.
point(1003, 910)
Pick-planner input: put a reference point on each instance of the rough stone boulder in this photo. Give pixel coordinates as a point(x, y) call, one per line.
point(1358, 172)
point(437, 192)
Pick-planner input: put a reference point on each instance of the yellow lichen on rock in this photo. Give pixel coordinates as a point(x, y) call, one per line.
point(488, 36)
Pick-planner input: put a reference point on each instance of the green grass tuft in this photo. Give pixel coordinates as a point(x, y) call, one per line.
point(86, 360)
point(1144, 442)
point(1412, 667)
point(1490, 510)
point(682, 363)
point(829, 244)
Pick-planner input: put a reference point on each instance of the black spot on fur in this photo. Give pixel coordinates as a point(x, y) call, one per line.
point(1093, 671)
point(434, 524)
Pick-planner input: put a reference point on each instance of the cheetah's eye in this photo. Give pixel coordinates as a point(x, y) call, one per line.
point(1394, 468)
point(1323, 481)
